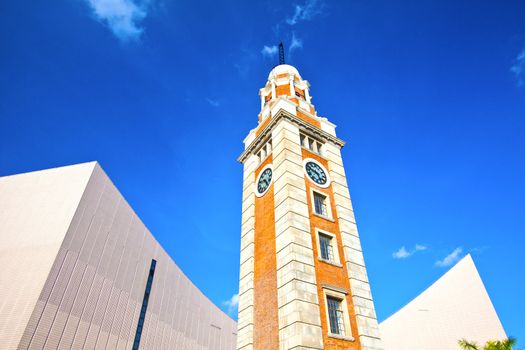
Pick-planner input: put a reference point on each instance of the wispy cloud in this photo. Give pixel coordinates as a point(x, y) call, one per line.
point(213, 103)
point(305, 12)
point(479, 250)
point(122, 17)
point(519, 68)
point(232, 304)
point(269, 51)
point(403, 253)
point(295, 44)
point(420, 247)
point(450, 259)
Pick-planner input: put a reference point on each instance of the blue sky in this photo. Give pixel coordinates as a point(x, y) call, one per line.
point(430, 96)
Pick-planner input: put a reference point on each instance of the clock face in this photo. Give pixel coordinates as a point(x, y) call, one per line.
point(264, 181)
point(316, 173)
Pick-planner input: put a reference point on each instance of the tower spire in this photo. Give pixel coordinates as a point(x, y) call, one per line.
point(281, 53)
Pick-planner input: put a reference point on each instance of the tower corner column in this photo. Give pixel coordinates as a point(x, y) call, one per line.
point(298, 301)
point(245, 323)
point(367, 326)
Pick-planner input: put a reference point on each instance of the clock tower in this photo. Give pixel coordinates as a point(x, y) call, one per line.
point(303, 281)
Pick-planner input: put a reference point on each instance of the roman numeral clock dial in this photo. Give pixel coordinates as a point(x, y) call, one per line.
point(316, 173)
point(264, 180)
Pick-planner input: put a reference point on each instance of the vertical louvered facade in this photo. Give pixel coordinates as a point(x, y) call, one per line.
point(75, 263)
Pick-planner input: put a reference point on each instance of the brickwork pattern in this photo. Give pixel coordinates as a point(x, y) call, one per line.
point(299, 314)
point(327, 274)
point(266, 325)
point(367, 325)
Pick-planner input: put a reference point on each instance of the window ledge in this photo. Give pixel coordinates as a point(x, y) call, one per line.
point(315, 153)
point(329, 262)
point(342, 337)
point(323, 216)
point(263, 160)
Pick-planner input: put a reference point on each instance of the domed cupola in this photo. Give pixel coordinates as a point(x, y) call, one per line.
point(285, 82)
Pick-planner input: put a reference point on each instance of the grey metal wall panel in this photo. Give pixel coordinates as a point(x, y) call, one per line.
point(36, 210)
point(94, 286)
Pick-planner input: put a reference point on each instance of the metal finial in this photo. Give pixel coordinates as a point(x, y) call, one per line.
point(281, 53)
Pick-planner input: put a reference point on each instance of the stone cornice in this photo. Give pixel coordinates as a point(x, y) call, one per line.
point(282, 114)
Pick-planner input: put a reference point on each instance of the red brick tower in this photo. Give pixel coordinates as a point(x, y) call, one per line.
point(303, 281)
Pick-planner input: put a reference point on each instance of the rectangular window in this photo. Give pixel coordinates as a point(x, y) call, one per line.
point(311, 144)
point(144, 307)
point(335, 315)
point(327, 249)
point(318, 148)
point(320, 204)
point(264, 151)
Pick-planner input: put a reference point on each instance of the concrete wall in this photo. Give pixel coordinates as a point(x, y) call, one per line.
point(92, 296)
point(35, 212)
point(456, 306)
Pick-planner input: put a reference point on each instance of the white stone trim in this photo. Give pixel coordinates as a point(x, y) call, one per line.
point(287, 110)
point(365, 316)
point(298, 300)
point(246, 273)
point(328, 292)
point(329, 215)
point(335, 247)
point(328, 178)
point(307, 93)
point(267, 166)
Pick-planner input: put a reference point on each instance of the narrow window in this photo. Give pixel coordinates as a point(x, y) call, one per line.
point(327, 250)
point(144, 307)
point(310, 144)
point(335, 315)
point(318, 150)
point(320, 204)
point(303, 140)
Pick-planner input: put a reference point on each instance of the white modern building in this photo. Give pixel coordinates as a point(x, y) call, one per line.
point(81, 271)
point(455, 307)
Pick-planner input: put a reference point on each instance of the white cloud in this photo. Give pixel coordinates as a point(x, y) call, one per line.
point(403, 253)
point(295, 44)
point(232, 304)
point(121, 16)
point(269, 51)
point(420, 247)
point(519, 68)
point(451, 258)
point(305, 12)
point(479, 250)
point(213, 103)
